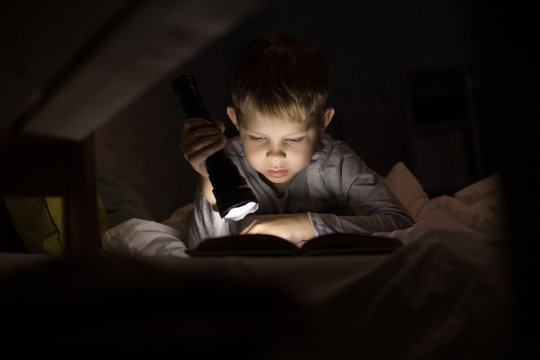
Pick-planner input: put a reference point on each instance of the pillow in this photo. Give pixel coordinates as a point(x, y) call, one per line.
point(480, 206)
point(404, 185)
point(39, 222)
point(482, 189)
point(120, 200)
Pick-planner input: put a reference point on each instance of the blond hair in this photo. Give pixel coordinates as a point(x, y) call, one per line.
point(281, 77)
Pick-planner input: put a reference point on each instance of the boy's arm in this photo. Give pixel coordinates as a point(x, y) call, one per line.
point(371, 207)
point(294, 228)
point(206, 222)
point(325, 224)
point(206, 189)
point(144, 237)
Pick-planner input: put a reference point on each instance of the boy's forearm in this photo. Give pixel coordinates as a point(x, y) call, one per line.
point(206, 189)
point(295, 228)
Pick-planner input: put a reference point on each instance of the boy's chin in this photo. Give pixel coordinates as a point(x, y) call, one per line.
point(276, 182)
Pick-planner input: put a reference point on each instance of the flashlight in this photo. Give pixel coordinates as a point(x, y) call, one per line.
point(234, 198)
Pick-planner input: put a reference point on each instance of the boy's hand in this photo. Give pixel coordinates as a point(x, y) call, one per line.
point(201, 139)
point(294, 228)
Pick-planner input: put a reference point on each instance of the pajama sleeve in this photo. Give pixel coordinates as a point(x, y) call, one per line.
point(365, 203)
point(144, 237)
point(206, 222)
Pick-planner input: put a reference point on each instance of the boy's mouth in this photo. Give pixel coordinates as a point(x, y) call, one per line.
point(276, 174)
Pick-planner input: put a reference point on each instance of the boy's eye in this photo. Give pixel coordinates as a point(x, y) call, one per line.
point(295, 140)
point(256, 138)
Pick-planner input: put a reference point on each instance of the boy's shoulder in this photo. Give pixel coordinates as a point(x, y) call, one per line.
point(331, 149)
point(339, 164)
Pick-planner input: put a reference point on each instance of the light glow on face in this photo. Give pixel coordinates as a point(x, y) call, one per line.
point(278, 149)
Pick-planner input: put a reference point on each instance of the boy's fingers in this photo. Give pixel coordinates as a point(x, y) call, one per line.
point(199, 138)
point(198, 158)
point(197, 145)
point(220, 125)
point(248, 229)
point(197, 122)
point(201, 133)
point(204, 146)
point(191, 124)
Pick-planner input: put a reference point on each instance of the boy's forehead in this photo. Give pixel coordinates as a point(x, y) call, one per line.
point(256, 121)
point(252, 117)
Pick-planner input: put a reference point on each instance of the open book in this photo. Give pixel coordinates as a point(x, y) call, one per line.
point(269, 245)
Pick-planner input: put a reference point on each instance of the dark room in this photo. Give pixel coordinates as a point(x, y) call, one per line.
point(269, 179)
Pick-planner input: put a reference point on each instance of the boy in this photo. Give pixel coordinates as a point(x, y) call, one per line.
point(306, 183)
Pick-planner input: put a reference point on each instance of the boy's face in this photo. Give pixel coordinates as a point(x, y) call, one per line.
point(277, 148)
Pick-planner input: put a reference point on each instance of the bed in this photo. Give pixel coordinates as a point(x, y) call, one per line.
point(446, 293)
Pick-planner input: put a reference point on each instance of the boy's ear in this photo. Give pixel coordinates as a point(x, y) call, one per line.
point(326, 118)
point(232, 115)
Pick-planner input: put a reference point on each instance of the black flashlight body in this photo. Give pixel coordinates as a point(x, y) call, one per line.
point(229, 186)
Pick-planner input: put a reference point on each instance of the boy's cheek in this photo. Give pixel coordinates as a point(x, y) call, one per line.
point(249, 151)
point(253, 158)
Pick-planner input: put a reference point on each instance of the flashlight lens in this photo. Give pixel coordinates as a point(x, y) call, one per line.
point(239, 212)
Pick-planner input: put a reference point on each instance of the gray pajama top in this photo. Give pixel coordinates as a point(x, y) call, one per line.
point(336, 189)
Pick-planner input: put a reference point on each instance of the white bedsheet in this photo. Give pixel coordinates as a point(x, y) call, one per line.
point(447, 294)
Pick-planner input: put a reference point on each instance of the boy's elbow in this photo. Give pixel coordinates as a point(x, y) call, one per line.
point(404, 221)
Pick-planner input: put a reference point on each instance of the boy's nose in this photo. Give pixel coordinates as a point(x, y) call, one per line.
point(275, 153)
